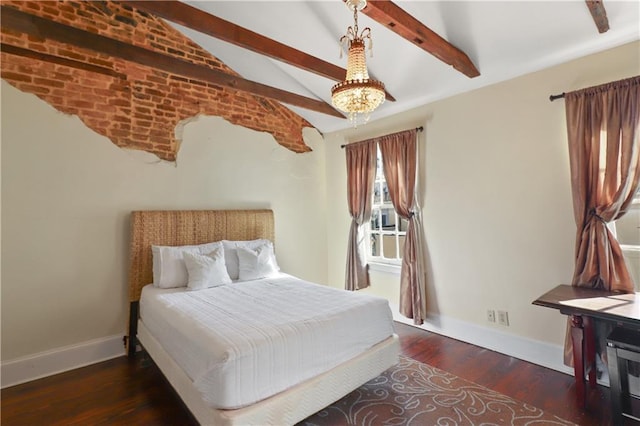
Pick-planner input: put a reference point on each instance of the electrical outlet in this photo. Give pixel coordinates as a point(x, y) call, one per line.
point(503, 318)
point(491, 315)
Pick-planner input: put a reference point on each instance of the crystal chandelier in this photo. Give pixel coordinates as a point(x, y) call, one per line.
point(357, 94)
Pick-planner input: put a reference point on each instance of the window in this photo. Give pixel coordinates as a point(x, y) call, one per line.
point(627, 228)
point(386, 230)
point(627, 231)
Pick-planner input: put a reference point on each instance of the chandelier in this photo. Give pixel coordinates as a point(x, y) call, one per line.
point(357, 94)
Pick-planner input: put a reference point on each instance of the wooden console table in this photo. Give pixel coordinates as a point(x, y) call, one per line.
point(582, 305)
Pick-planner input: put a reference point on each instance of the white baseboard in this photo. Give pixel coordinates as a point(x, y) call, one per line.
point(56, 361)
point(533, 351)
point(59, 360)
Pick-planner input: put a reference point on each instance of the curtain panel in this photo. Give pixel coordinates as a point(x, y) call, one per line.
point(400, 165)
point(361, 170)
point(603, 127)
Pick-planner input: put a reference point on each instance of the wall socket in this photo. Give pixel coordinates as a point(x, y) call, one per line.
point(491, 315)
point(503, 318)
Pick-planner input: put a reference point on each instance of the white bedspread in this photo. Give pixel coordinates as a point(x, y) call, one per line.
point(243, 342)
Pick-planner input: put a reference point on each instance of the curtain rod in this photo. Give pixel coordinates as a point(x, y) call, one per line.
point(418, 129)
point(625, 81)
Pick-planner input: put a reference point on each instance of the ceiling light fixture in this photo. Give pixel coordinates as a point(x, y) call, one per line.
point(357, 94)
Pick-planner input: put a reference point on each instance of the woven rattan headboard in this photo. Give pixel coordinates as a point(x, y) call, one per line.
point(186, 227)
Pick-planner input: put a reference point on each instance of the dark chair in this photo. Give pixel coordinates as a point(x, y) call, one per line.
point(623, 345)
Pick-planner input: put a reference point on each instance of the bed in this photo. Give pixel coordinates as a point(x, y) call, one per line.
point(320, 382)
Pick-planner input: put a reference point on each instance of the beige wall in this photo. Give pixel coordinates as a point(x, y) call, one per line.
point(497, 201)
point(495, 182)
point(67, 192)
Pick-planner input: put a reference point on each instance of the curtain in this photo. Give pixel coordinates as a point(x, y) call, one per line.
point(603, 125)
point(400, 164)
point(361, 169)
point(603, 129)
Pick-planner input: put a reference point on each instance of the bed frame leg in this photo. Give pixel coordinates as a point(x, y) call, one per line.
point(133, 329)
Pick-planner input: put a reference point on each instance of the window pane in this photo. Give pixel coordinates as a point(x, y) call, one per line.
point(388, 218)
point(384, 220)
point(389, 246)
point(633, 266)
point(401, 239)
point(404, 224)
point(375, 244)
point(628, 227)
point(375, 219)
point(386, 198)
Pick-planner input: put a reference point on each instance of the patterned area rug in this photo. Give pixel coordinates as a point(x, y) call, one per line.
point(417, 394)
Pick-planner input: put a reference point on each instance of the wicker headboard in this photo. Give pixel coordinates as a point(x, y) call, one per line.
point(187, 227)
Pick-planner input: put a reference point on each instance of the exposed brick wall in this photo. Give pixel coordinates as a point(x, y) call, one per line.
point(137, 107)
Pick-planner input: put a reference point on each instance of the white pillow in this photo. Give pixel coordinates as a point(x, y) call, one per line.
point(169, 270)
point(206, 270)
point(231, 256)
point(255, 264)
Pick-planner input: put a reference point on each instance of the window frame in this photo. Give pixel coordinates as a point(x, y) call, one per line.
point(635, 205)
point(381, 262)
point(629, 251)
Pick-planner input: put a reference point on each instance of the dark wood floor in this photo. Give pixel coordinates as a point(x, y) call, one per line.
point(123, 392)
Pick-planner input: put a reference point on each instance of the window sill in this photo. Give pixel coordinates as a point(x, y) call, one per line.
point(631, 251)
point(388, 268)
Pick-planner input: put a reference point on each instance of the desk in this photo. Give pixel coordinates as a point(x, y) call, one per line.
point(582, 305)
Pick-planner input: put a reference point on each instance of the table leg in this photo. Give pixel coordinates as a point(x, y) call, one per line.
point(589, 349)
point(577, 341)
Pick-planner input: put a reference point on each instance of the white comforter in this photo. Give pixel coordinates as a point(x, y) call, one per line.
point(243, 342)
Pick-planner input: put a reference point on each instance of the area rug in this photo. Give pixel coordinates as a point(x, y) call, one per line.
point(416, 394)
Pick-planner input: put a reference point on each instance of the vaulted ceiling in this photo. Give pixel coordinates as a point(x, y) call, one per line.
point(423, 50)
point(503, 39)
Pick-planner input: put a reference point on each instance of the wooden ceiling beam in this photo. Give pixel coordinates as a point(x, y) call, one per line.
point(397, 20)
point(599, 15)
point(205, 23)
point(16, 20)
point(27, 53)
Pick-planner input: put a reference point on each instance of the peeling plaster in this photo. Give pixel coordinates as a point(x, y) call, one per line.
point(133, 97)
point(279, 154)
point(179, 130)
point(281, 157)
point(146, 157)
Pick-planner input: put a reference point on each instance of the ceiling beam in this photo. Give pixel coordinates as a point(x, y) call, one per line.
point(397, 20)
point(35, 26)
point(205, 23)
point(599, 15)
point(19, 51)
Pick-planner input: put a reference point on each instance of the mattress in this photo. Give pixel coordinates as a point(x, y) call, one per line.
point(247, 341)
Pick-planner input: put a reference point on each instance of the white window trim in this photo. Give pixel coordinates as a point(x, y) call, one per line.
point(385, 266)
point(381, 263)
point(630, 250)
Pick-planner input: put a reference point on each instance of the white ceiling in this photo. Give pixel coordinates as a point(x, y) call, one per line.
point(504, 39)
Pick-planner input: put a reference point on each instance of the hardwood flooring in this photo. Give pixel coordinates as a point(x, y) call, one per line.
point(120, 391)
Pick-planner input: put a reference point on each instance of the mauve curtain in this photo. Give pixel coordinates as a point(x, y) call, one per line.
point(361, 170)
point(603, 125)
point(603, 128)
point(399, 158)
